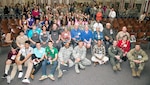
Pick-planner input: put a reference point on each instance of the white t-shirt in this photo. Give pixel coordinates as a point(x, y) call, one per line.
point(112, 14)
point(25, 52)
point(98, 25)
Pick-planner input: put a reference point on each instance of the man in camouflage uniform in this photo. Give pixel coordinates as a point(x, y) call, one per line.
point(79, 54)
point(64, 57)
point(137, 58)
point(115, 55)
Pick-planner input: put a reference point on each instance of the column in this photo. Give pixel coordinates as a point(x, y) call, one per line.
point(122, 3)
point(61, 1)
point(42, 1)
point(49, 2)
point(67, 1)
point(132, 3)
point(147, 5)
point(148, 10)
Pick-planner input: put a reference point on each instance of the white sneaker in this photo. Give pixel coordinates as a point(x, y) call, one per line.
point(26, 81)
point(8, 79)
point(20, 75)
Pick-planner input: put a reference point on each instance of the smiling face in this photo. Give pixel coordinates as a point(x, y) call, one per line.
point(99, 42)
point(38, 45)
point(108, 25)
point(54, 26)
point(124, 29)
point(50, 44)
point(27, 45)
point(137, 47)
point(80, 43)
point(114, 43)
point(125, 37)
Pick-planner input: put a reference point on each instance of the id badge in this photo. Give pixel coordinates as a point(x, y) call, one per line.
point(79, 33)
point(111, 32)
point(125, 45)
point(13, 57)
point(139, 56)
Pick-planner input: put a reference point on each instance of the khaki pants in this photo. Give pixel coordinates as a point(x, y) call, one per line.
point(13, 72)
point(29, 66)
point(102, 61)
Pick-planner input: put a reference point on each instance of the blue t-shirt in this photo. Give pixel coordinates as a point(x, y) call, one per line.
point(39, 53)
point(86, 35)
point(31, 32)
point(76, 33)
point(97, 36)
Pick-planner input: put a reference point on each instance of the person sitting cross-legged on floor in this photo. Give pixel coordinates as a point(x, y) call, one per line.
point(137, 58)
point(79, 53)
point(11, 61)
point(99, 53)
point(50, 59)
point(115, 55)
point(64, 57)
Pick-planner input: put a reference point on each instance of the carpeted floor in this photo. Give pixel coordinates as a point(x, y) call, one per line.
point(99, 75)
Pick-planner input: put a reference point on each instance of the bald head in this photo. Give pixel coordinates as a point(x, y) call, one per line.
point(108, 25)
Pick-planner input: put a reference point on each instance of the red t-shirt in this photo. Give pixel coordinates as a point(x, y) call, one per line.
point(99, 16)
point(12, 56)
point(125, 46)
point(66, 35)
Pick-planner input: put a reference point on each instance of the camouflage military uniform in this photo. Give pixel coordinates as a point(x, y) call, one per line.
point(112, 53)
point(137, 55)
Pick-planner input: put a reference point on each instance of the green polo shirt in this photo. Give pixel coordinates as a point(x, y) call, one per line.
point(51, 52)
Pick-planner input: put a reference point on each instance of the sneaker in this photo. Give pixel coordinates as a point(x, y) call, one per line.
point(26, 81)
point(95, 63)
point(8, 79)
point(4, 76)
point(51, 77)
point(20, 75)
point(43, 77)
point(114, 68)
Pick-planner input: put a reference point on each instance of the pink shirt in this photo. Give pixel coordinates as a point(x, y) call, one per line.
point(35, 13)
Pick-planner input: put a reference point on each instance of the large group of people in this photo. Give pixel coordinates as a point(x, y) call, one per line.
point(61, 37)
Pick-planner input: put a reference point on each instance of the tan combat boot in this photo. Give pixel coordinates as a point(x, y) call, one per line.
point(138, 74)
point(114, 68)
point(31, 75)
point(60, 73)
point(133, 72)
point(118, 67)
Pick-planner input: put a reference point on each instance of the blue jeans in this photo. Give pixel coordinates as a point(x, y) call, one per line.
point(53, 68)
